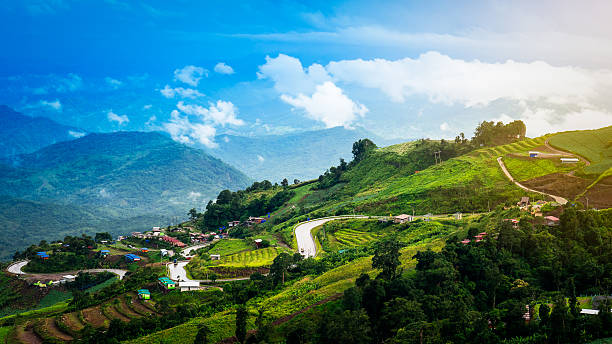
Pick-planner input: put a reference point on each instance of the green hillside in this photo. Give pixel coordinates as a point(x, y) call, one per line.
point(128, 173)
point(21, 134)
point(106, 182)
point(594, 145)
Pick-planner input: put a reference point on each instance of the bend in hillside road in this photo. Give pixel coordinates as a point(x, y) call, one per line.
point(557, 199)
point(586, 162)
point(305, 241)
point(187, 251)
point(16, 268)
point(177, 272)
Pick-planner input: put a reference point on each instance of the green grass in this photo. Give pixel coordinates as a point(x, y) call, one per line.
point(102, 285)
point(527, 168)
point(227, 247)
point(54, 297)
point(4, 331)
point(254, 258)
point(594, 145)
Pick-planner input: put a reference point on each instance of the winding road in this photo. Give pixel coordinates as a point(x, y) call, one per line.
point(305, 241)
point(557, 199)
point(16, 268)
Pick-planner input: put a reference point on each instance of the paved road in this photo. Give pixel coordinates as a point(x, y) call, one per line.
point(586, 162)
point(15, 268)
point(178, 273)
point(187, 251)
point(557, 199)
point(305, 242)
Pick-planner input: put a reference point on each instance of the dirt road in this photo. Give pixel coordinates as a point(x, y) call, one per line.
point(557, 199)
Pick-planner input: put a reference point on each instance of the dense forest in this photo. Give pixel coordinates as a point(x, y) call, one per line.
point(519, 285)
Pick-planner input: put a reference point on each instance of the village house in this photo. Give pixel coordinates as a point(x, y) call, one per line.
point(144, 294)
point(402, 218)
point(166, 283)
point(215, 256)
point(233, 223)
point(189, 285)
point(551, 220)
point(514, 222)
point(255, 220)
point(174, 241)
point(258, 242)
point(130, 258)
point(569, 160)
point(523, 202)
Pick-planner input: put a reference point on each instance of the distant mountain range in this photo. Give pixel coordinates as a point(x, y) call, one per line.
point(57, 180)
point(105, 178)
point(301, 156)
point(20, 134)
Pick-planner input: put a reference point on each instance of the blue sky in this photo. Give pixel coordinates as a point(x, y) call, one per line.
point(400, 69)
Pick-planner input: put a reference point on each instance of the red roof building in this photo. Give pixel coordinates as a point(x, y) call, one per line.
point(174, 241)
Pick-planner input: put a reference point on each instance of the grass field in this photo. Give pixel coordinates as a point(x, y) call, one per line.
point(594, 145)
point(254, 258)
point(4, 331)
point(528, 168)
point(54, 297)
point(227, 247)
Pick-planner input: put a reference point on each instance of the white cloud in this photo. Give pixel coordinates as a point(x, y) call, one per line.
point(260, 158)
point(290, 77)
point(444, 126)
point(311, 90)
point(147, 107)
point(120, 119)
point(69, 83)
point(446, 80)
point(221, 113)
point(75, 134)
point(540, 121)
point(193, 196)
point(114, 83)
point(329, 105)
point(183, 130)
point(190, 75)
point(222, 68)
point(55, 105)
point(105, 194)
point(170, 92)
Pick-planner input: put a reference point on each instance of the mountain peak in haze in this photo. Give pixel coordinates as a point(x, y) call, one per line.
point(22, 134)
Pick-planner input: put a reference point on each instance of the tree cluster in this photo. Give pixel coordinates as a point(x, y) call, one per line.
point(494, 134)
point(233, 206)
point(480, 292)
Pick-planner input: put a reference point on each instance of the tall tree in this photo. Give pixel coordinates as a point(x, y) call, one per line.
point(241, 323)
point(386, 257)
point(361, 148)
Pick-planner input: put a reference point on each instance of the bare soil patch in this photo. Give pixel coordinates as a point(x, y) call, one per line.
point(600, 195)
point(113, 314)
point(72, 321)
point(94, 316)
point(26, 335)
point(125, 309)
point(54, 331)
point(558, 184)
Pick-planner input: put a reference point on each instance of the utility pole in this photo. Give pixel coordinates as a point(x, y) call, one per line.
point(437, 157)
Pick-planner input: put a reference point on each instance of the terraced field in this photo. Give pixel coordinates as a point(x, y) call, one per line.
point(516, 147)
point(350, 237)
point(254, 258)
point(66, 327)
